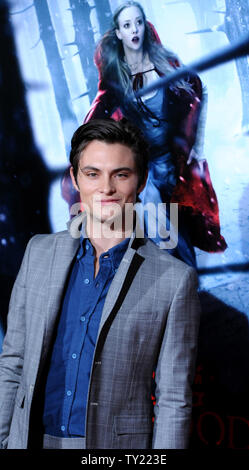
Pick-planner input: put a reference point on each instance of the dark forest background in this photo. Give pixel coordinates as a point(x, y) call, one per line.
point(221, 389)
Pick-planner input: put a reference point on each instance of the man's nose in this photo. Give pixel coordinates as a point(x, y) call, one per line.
point(107, 186)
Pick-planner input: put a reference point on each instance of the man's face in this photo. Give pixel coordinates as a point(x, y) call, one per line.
point(107, 179)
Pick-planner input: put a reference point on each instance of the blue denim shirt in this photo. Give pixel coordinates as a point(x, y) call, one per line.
point(72, 355)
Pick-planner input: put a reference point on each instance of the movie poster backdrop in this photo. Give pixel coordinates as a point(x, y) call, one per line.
point(48, 80)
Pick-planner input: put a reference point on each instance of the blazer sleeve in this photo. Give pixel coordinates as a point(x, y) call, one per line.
point(176, 368)
point(11, 358)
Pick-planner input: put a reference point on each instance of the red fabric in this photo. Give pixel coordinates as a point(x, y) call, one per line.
point(154, 33)
point(197, 200)
point(117, 115)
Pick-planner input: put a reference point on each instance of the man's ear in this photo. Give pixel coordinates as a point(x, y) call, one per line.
point(75, 184)
point(118, 33)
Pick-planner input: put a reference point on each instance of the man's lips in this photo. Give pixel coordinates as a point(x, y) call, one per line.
point(109, 201)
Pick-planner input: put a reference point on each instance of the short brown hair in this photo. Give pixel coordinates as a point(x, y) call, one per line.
point(110, 131)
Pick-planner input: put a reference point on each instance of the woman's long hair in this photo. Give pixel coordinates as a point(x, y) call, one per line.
point(109, 55)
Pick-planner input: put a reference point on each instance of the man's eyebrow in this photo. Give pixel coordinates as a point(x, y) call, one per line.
point(123, 168)
point(88, 167)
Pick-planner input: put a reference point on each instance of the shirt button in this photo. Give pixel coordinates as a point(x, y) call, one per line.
point(69, 393)
point(86, 281)
point(87, 246)
point(63, 428)
point(74, 356)
point(82, 318)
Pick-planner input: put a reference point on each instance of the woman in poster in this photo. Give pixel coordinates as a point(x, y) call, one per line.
point(129, 57)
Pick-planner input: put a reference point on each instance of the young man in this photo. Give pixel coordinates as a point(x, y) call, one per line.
point(94, 317)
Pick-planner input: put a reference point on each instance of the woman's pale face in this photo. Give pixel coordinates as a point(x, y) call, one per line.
point(131, 29)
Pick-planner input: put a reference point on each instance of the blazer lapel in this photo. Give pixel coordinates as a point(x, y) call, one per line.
point(122, 280)
point(64, 252)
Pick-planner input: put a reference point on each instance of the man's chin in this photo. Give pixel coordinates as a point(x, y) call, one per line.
point(108, 220)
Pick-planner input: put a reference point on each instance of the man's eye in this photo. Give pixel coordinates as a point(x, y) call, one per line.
point(122, 175)
point(92, 174)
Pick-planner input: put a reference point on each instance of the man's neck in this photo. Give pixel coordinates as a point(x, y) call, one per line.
point(103, 237)
point(101, 245)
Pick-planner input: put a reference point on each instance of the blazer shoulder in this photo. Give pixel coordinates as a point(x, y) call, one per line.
point(164, 260)
point(48, 240)
point(48, 237)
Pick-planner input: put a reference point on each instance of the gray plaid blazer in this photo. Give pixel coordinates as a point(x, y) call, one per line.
point(149, 324)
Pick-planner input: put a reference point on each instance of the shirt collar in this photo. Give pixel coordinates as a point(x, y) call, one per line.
point(115, 254)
